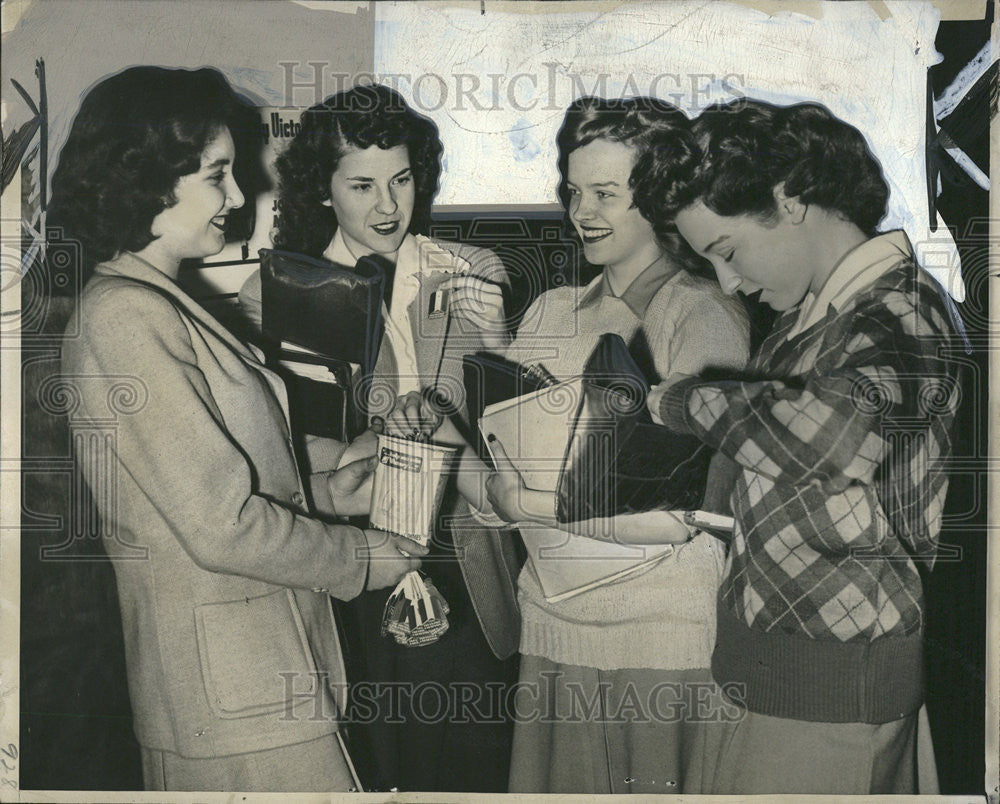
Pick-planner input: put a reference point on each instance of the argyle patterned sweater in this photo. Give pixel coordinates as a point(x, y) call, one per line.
point(841, 493)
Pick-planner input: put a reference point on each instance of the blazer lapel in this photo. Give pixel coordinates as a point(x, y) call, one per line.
point(428, 331)
point(131, 267)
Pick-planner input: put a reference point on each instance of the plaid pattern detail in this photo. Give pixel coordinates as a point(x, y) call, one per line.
point(843, 482)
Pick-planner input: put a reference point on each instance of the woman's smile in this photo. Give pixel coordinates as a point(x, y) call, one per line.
point(592, 234)
point(613, 231)
point(386, 229)
point(372, 193)
point(194, 225)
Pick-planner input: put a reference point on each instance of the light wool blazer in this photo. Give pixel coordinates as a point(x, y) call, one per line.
point(487, 556)
point(223, 633)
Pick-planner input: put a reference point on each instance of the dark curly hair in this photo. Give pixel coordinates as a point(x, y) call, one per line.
point(356, 118)
point(748, 147)
point(659, 133)
point(135, 135)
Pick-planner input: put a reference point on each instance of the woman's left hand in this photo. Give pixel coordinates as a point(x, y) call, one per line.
point(505, 488)
point(479, 302)
point(657, 392)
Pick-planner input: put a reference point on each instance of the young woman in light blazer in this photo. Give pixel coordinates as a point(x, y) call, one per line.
point(234, 667)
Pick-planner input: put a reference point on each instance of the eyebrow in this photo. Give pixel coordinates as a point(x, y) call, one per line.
point(370, 178)
point(217, 163)
point(597, 184)
point(716, 242)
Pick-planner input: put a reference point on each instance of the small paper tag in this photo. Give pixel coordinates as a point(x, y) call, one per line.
point(439, 304)
point(705, 519)
point(397, 460)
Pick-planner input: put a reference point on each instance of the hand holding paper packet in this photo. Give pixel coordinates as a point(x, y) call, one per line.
point(598, 551)
point(409, 483)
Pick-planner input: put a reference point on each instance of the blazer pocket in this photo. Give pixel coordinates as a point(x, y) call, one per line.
point(255, 658)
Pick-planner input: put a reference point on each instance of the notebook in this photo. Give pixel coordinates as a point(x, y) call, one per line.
point(535, 430)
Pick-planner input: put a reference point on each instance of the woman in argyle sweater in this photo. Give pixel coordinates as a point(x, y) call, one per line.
point(840, 435)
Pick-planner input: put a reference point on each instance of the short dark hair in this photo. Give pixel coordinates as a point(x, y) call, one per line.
point(658, 132)
point(135, 135)
point(357, 118)
point(748, 147)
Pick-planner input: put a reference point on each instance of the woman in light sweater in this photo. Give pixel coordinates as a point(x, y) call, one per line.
point(614, 681)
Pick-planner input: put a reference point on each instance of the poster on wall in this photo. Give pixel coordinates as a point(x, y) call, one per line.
point(171, 545)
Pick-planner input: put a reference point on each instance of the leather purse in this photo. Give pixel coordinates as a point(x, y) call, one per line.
point(323, 407)
point(618, 460)
point(335, 312)
point(332, 309)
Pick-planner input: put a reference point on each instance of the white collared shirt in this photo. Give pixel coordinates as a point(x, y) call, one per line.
point(857, 270)
point(417, 254)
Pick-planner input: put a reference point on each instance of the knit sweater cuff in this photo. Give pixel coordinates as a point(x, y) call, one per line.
point(673, 405)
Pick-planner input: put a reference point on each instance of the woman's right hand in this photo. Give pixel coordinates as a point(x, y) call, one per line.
point(390, 557)
point(413, 416)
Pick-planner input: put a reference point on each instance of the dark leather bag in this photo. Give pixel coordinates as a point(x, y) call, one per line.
point(489, 378)
point(618, 460)
point(335, 311)
point(330, 308)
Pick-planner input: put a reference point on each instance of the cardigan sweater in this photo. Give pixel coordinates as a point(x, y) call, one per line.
point(664, 617)
point(841, 493)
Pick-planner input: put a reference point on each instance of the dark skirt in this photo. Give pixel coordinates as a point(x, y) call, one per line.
point(431, 718)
